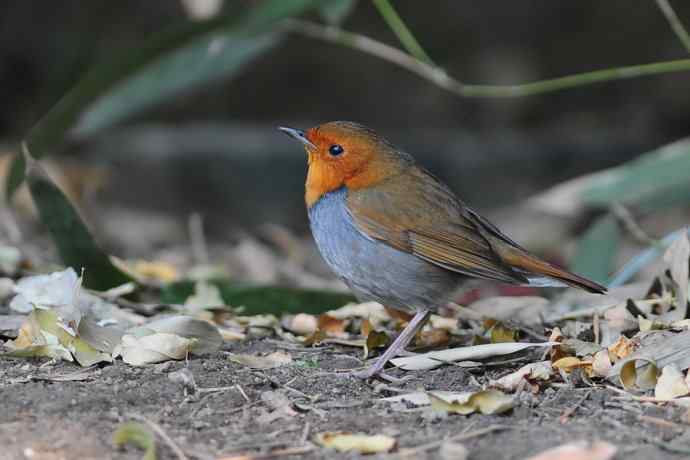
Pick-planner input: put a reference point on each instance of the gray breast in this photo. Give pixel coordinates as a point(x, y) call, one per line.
point(372, 269)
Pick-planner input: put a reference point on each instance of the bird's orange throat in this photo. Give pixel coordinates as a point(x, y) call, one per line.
point(326, 176)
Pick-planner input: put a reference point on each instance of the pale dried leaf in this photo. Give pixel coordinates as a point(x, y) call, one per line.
point(302, 324)
point(674, 349)
point(372, 311)
point(671, 384)
point(638, 374)
point(487, 402)
point(541, 370)
point(435, 359)
point(352, 442)
point(52, 290)
point(579, 450)
point(153, 348)
point(206, 295)
point(601, 364)
point(270, 361)
point(205, 336)
point(677, 256)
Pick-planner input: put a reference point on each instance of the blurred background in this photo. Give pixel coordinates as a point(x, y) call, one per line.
point(210, 148)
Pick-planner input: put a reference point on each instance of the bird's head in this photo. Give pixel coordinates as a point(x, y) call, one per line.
point(343, 153)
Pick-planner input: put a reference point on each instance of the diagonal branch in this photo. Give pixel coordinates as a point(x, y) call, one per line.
point(398, 27)
point(439, 77)
point(675, 23)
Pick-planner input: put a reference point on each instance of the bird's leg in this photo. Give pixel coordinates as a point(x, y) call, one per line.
point(416, 323)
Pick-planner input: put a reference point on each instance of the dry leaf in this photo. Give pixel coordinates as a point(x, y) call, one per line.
point(270, 361)
point(534, 371)
point(206, 295)
point(362, 443)
point(671, 384)
point(53, 290)
point(579, 450)
point(435, 359)
point(677, 256)
point(303, 324)
point(439, 322)
point(601, 364)
point(638, 377)
point(622, 348)
point(433, 338)
point(153, 348)
point(487, 402)
point(373, 311)
point(667, 349)
point(333, 327)
point(205, 336)
point(375, 339)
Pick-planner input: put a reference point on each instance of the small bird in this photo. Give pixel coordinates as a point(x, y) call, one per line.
point(397, 235)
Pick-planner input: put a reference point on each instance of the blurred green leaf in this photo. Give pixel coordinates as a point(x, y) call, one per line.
point(175, 60)
point(658, 179)
point(597, 249)
point(75, 244)
point(257, 300)
point(334, 12)
point(137, 434)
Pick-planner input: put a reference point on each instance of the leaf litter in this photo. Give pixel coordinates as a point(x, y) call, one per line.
point(60, 319)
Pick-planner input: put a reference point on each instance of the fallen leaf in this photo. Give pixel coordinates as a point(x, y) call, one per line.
point(533, 371)
point(352, 442)
point(432, 338)
point(303, 324)
point(579, 450)
point(375, 339)
point(665, 350)
point(52, 290)
point(502, 334)
point(569, 363)
point(332, 327)
point(487, 402)
point(206, 295)
point(440, 322)
point(372, 311)
point(137, 434)
point(204, 336)
point(677, 256)
point(270, 361)
point(643, 377)
point(601, 363)
point(153, 348)
point(671, 384)
point(435, 359)
point(622, 348)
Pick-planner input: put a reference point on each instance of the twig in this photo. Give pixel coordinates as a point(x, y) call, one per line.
point(413, 452)
point(159, 431)
point(675, 23)
point(624, 215)
point(398, 27)
point(596, 327)
point(439, 77)
point(244, 395)
point(571, 410)
point(305, 433)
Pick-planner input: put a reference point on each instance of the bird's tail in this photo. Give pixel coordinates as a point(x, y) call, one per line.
point(535, 270)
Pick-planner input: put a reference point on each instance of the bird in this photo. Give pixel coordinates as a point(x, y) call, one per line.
point(397, 235)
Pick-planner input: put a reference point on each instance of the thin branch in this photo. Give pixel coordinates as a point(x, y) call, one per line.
point(398, 27)
point(675, 23)
point(439, 77)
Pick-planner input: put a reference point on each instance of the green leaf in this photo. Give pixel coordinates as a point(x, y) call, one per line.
point(137, 434)
point(256, 300)
point(75, 244)
point(335, 12)
point(597, 249)
point(175, 60)
point(655, 180)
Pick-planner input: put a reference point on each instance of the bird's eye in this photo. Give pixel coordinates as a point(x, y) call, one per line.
point(335, 150)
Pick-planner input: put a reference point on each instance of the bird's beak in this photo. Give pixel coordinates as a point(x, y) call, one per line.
point(297, 134)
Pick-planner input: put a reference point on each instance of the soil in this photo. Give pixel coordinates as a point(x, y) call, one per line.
point(46, 420)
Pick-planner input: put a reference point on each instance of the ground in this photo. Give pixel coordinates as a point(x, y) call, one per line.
point(44, 419)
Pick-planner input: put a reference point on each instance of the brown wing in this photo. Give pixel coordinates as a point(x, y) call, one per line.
point(416, 213)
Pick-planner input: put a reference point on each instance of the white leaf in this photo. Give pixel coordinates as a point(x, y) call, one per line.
point(435, 359)
point(53, 290)
point(154, 348)
point(207, 338)
point(671, 384)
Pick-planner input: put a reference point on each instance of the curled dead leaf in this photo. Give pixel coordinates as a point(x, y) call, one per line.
point(639, 377)
point(486, 402)
point(671, 384)
point(353, 442)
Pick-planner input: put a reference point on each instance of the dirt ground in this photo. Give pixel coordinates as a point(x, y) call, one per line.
point(46, 420)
